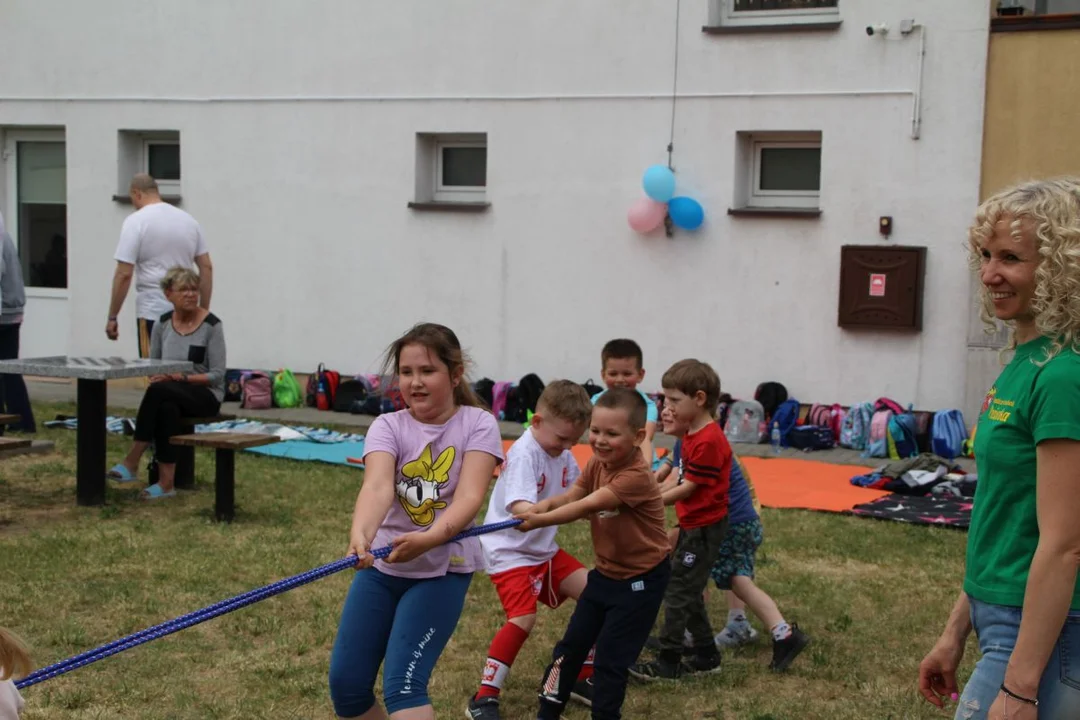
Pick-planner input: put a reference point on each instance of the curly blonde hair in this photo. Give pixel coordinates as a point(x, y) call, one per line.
point(1049, 210)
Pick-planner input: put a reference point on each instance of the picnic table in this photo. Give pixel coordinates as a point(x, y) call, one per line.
point(91, 374)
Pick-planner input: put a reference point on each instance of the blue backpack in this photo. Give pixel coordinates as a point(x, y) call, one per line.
point(855, 430)
point(786, 416)
point(901, 439)
point(948, 433)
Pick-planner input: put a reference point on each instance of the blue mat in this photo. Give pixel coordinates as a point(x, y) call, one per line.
point(333, 453)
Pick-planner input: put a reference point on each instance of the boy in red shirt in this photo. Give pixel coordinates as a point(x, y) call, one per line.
point(699, 491)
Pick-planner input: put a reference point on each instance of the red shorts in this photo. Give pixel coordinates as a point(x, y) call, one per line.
point(520, 589)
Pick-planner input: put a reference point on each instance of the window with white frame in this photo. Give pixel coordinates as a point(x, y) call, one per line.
point(772, 12)
point(161, 159)
point(156, 152)
point(781, 170)
point(451, 168)
point(36, 177)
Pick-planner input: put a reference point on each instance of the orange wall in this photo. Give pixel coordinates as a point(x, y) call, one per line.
point(1032, 125)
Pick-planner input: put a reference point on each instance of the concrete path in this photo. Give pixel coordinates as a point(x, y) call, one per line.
point(127, 395)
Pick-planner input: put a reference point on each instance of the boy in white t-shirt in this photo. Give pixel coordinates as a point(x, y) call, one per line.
point(527, 568)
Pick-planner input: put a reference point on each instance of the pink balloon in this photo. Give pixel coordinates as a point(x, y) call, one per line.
point(646, 215)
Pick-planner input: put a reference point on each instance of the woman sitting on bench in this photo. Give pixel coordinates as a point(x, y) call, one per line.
point(191, 333)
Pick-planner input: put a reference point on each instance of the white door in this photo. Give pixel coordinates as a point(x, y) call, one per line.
point(37, 220)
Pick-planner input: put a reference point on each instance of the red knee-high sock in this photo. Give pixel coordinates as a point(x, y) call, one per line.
point(504, 649)
point(587, 668)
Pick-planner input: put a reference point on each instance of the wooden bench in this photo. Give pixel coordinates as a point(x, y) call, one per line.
point(8, 419)
point(9, 443)
point(225, 445)
point(185, 456)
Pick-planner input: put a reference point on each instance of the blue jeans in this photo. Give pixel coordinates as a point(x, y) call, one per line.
point(402, 624)
point(997, 627)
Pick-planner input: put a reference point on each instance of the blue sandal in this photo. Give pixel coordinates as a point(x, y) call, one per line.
point(120, 474)
point(154, 492)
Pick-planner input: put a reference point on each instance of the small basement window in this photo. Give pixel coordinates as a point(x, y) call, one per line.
point(778, 170)
point(156, 152)
point(451, 169)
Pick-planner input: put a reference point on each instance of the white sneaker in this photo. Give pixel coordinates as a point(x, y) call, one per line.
point(734, 636)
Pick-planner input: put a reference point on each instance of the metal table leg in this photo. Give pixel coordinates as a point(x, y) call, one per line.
point(90, 443)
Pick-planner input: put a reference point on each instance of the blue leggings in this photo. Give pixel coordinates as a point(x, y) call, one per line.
point(401, 623)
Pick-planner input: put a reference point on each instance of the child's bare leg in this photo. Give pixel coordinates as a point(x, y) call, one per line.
point(574, 584)
point(761, 605)
point(757, 600)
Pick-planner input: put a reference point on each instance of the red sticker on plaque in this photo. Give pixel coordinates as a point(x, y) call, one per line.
point(877, 285)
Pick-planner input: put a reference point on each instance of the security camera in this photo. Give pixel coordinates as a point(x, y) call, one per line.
point(879, 29)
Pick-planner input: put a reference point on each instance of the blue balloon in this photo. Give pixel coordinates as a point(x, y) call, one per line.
point(659, 183)
point(686, 213)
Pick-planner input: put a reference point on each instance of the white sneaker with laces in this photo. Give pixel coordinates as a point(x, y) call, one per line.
point(735, 635)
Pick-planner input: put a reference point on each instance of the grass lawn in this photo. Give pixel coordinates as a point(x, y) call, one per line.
point(873, 595)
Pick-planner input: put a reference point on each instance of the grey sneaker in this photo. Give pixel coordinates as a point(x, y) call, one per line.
point(735, 635)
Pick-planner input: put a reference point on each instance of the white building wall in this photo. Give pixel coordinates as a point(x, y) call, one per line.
point(298, 125)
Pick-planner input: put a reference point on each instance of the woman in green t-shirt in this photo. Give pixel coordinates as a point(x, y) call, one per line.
point(1021, 594)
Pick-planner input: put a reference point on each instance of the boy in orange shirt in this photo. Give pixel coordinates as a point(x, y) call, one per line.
point(623, 593)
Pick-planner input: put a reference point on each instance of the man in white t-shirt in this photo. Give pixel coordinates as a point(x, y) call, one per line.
point(154, 239)
point(530, 568)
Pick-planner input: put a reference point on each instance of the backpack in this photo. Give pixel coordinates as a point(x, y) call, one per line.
point(745, 422)
point(322, 385)
point(923, 422)
point(787, 417)
point(901, 436)
point(855, 428)
point(969, 444)
point(348, 393)
point(948, 433)
point(527, 394)
point(232, 385)
point(498, 398)
point(836, 420)
point(820, 415)
point(722, 409)
point(770, 395)
point(592, 388)
point(811, 437)
point(884, 403)
point(286, 390)
point(483, 389)
point(877, 444)
point(256, 391)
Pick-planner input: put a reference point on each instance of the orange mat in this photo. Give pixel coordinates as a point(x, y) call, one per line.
point(789, 483)
point(582, 453)
point(808, 484)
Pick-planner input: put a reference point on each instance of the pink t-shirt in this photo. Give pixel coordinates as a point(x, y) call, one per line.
point(428, 461)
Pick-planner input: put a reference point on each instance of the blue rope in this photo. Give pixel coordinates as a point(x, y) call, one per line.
point(222, 607)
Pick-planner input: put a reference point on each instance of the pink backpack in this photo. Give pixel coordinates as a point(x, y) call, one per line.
point(256, 391)
point(498, 397)
point(836, 419)
point(878, 446)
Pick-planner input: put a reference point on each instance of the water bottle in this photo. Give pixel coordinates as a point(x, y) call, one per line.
point(775, 437)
